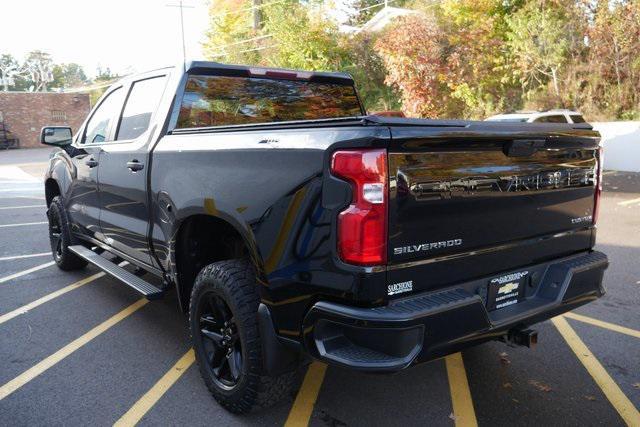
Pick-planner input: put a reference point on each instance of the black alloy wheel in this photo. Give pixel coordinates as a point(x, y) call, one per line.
point(220, 341)
point(55, 237)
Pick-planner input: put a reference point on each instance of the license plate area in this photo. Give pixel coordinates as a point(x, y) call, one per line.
point(506, 290)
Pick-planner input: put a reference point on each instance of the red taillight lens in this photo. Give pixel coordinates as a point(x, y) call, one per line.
point(598, 192)
point(362, 227)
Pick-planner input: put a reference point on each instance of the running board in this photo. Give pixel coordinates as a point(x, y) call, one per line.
point(145, 288)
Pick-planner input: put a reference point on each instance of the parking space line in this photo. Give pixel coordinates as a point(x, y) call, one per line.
point(629, 202)
point(25, 308)
point(68, 349)
point(22, 197)
point(3, 208)
point(618, 399)
point(9, 258)
point(302, 408)
point(463, 412)
point(25, 272)
point(150, 398)
point(23, 224)
point(603, 324)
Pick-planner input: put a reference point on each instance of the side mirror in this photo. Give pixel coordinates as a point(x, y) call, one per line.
point(58, 136)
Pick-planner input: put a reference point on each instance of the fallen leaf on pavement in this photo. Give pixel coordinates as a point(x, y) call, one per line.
point(507, 385)
point(504, 358)
point(636, 385)
point(591, 398)
point(453, 417)
point(540, 386)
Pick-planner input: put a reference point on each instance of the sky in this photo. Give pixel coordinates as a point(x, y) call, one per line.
point(124, 35)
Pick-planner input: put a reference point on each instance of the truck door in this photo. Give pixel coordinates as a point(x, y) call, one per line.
point(124, 215)
point(82, 199)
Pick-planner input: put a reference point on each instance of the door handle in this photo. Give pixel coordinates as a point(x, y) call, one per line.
point(135, 165)
point(91, 162)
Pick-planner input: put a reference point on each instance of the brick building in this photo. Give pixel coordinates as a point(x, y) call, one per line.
point(24, 113)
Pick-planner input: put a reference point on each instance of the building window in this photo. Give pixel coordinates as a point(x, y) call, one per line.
point(58, 116)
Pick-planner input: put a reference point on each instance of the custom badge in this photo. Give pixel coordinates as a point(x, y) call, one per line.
point(399, 288)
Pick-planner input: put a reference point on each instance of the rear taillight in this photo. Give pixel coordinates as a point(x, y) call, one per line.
point(598, 192)
point(362, 226)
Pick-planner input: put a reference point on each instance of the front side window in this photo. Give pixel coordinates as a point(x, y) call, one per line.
point(141, 104)
point(100, 123)
point(223, 100)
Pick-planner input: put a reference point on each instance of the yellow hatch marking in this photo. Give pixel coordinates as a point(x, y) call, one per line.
point(25, 272)
point(629, 202)
point(620, 402)
point(68, 349)
point(603, 324)
point(25, 308)
point(463, 412)
point(302, 408)
point(150, 398)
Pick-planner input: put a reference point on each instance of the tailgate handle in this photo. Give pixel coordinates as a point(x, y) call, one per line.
point(523, 147)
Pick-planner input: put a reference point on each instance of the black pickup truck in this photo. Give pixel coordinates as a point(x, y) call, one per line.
point(294, 227)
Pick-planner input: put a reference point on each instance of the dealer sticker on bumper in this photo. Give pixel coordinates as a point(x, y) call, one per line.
point(506, 290)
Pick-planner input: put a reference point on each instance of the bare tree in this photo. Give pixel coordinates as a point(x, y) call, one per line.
point(9, 70)
point(39, 67)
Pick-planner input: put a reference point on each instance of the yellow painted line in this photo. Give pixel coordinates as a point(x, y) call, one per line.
point(25, 272)
point(603, 324)
point(302, 408)
point(620, 402)
point(463, 412)
point(629, 202)
point(68, 349)
point(150, 398)
point(25, 308)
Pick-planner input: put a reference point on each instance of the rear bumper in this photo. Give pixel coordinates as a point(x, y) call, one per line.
point(423, 327)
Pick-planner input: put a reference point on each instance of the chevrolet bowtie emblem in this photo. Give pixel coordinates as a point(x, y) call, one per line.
point(508, 288)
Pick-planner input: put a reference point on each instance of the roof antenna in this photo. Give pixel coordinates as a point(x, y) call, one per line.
point(184, 50)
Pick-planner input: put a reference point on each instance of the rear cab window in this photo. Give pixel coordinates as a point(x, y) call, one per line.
point(577, 118)
point(556, 118)
point(230, 100)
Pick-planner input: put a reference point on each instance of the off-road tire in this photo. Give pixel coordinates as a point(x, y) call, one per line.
point(59, 223)
point(234, 281)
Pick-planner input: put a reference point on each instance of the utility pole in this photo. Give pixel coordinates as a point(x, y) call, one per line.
point(184, 49)
point(257, 14)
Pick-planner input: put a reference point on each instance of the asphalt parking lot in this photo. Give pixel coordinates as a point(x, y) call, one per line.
point(81, 349)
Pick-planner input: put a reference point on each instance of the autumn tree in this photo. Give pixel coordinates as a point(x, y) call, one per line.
point(479, 69)
point(539, 44)
point(412, 53)
point(614, 41)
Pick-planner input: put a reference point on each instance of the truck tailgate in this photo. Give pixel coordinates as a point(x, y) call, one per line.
point(481, 188)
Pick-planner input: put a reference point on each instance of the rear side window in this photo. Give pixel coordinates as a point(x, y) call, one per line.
point(577, 118)
point(140, 105)
point(551, 119)
point(224, 100)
